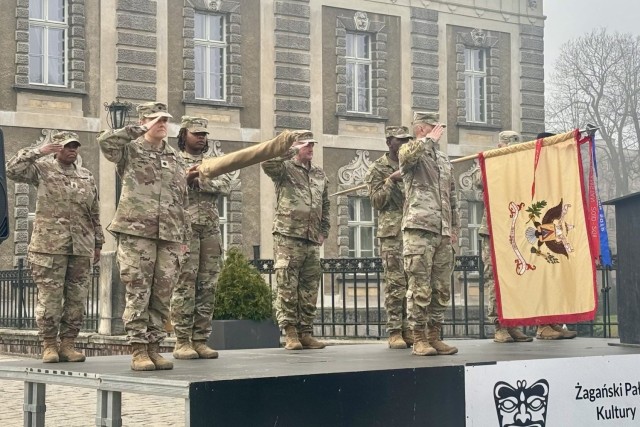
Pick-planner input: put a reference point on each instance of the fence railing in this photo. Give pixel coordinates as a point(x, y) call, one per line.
point(351, 300)
point(18, 298)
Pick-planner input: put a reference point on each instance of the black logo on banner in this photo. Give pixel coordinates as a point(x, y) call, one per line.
point(521, 406)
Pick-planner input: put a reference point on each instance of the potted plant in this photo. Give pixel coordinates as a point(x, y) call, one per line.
point(243, 312)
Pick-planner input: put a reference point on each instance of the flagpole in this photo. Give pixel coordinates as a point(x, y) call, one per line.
point(589, 129)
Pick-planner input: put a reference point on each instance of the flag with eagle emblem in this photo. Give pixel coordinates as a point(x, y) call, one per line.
point(541, 248)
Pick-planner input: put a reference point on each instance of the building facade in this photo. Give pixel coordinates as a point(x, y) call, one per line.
point(344, 70)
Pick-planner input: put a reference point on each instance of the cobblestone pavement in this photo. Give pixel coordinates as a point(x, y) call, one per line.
point(76, 407)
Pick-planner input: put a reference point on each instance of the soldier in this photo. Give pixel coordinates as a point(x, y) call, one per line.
point(502, 334)
point(553, 331)
point(430, 226)
point(193, 297)
point(152, 227)
point(67, 235)
point(300, 226)
point(386, 192)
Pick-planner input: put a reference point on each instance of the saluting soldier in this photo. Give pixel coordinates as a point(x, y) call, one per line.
point(430, 226)
point(152, 226)
point(300, 226)
point(66, 236)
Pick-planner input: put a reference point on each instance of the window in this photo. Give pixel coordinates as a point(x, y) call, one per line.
point(358, 61)
point(476, 210)
point(362, 228)
point(47, 42)
point(210, 49)
point(223, 212)
point(475, 72)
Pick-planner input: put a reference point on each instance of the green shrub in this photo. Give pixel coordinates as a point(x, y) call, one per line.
point(242, 293)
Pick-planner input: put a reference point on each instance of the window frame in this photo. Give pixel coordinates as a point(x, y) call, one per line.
point(208, 45)
point(47, 25)
point(470, 76)
point(357, 61)
point(476, 210)
point(223, 204)
point(356, 250)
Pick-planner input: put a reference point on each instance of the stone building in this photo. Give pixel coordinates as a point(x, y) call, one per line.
point(345, 70)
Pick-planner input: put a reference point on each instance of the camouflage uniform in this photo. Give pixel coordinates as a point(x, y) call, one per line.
point(66, 232)
point(430, 218)
point(387, 197)
point(151, 223)
point(302, 216)
point(193, 297)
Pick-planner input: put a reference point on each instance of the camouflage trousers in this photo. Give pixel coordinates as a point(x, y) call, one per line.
point(395, 291)
point(428, 262)
point(489, 283)
point(63, 284)
point(297, 265)
point(193, 296)
point(148, 269)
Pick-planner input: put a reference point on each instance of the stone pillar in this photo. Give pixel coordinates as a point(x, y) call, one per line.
point(532, 80)
point(112, 296)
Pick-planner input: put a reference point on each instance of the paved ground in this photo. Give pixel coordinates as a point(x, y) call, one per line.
point(76, 407)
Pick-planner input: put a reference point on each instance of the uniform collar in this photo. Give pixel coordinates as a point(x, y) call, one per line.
point(298, 163)
point(186, 155)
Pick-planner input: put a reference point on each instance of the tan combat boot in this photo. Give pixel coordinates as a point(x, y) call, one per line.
point(434, 340)
point(566, 333)
point(68, 351)
point(203, 350)
point(50, 351)
point(153, 350)
point(140, 358)
point(396, 342)
point(407, 336)
point(183, 350)
point(518, 335)
point(310, 343)
point(502, 334)
point(420, 345)
point(546, 332)
point(291, 338)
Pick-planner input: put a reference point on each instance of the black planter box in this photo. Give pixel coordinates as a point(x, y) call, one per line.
point(241, 334)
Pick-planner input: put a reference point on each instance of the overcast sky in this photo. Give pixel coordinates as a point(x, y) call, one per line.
point(569, 19)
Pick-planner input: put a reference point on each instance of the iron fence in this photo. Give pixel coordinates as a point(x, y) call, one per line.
point(351, 300)
point(18, 298)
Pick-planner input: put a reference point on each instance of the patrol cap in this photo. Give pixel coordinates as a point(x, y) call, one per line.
point(400, 132)
point(305, 136)
point(65, 137)
point(194, 124)
point(428, 118)
point(509, 136)
point(151, 110)
point(545, 135)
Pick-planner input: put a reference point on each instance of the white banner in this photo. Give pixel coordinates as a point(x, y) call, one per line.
point(580, 392)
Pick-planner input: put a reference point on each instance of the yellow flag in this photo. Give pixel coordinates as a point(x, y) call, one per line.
point(542, 262)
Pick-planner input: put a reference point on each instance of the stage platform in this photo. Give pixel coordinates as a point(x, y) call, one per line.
point(352, 385)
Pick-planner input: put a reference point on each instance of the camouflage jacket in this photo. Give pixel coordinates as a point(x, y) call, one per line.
point(154, 198)
point(302, 200)
point(67, 220)
point(431, 201)
point(386, 196)
point(477, 180)
point(203, 199)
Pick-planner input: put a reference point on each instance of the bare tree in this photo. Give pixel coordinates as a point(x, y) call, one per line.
point(596, 80)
